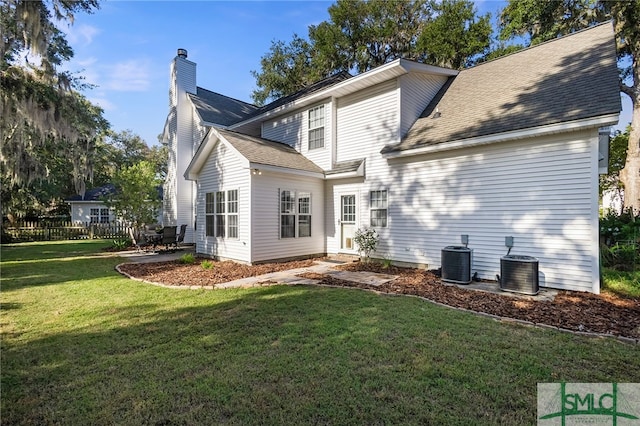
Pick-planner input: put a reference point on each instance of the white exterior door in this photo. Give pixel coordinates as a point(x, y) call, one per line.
point(347, 222)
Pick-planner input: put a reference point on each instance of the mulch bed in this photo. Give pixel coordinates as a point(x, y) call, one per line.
point(179, 274)
point(578, 311)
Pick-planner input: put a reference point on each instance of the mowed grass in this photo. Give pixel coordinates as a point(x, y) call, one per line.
point(626, 284)
point(83, 345)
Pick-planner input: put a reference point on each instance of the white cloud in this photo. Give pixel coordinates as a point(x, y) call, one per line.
point(82, 34)
point(104, 103)
point(129, 76)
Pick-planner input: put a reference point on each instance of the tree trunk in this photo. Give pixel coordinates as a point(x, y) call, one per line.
point(630, 175)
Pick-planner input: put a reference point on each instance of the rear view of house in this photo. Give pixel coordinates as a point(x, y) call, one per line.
point(422, 154)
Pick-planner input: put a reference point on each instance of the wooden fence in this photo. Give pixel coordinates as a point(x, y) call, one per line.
point(48, 231)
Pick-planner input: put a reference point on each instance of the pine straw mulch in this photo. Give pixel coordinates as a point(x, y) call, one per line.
point(578, 311)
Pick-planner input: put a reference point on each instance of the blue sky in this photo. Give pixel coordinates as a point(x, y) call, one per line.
point(125, 48)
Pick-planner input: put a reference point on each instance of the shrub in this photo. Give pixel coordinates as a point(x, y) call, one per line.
point(121, 243)
point(366, 240)
point(207, 264)
point(622, 228)
point(187, 259)
point(386, 262)
point(621, 237)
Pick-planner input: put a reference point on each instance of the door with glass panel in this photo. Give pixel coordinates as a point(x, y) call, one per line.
point(347, 222)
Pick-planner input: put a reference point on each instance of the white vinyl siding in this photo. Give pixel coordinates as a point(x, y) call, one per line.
point(537, 190)
point(416, 92)
point(266, 197)
point(293, 129)
point(179, 194)
point(225, 171)
point(368, 121)
point(289, 129)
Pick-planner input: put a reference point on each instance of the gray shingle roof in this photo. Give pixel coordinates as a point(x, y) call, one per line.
point(269, 153)
point(219, 109)
point(345, 167)
point(570, 78)
point(99, 193)
point(95, 194)
point(318, 85)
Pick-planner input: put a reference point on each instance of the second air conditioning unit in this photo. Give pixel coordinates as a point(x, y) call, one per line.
point(456, 264)
point(519, 274)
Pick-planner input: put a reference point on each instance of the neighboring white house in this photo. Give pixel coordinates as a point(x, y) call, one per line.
point(91, 208)
point(420, 153)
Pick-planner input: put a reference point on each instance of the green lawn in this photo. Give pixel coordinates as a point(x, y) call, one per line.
point(625, 284)
point(83, 345)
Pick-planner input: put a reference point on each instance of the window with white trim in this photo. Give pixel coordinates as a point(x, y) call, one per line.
point(220, 223)
point(221, 214)
point(295, 214)
point(99, 215)
point(210, 211)
point(378, 208)
point(316, 127)
point(304, 214)
point(232, 213)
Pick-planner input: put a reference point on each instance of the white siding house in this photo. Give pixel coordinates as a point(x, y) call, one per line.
point(422, 154)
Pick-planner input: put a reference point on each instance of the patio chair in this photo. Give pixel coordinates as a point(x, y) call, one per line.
point(180, 239)
point(139, 240)
point(169, 236)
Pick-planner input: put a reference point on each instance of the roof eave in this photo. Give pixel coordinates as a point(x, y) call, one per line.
point(270, 168)
point(359, 172)
point(604, 120)
point(367, 79)
point(202, 153)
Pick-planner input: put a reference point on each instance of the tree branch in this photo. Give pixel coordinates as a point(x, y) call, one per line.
point(626, 90)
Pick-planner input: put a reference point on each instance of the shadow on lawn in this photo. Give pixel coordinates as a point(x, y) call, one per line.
point(32, 273)
point(290, 355)
point(50, 249)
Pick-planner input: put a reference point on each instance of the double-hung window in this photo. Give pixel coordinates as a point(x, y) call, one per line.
point(99, 215)
point(378, 208)
point(232, 213)
point(304, 214)
point(221, 214)
point(316, 127)
point(295, 214)
point(210, 211)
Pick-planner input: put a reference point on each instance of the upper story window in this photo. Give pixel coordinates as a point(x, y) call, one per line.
point(316, 127)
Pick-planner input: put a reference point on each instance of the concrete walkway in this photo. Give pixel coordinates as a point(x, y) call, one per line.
point(321, 267)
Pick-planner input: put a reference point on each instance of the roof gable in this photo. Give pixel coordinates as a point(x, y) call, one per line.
point(265, 152)
point(256, 151)
point(567, 79)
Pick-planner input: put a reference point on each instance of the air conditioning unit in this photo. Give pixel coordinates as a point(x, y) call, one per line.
point(519, 274)
point(456, 264)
